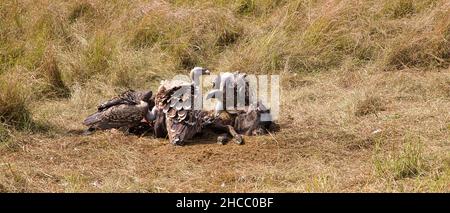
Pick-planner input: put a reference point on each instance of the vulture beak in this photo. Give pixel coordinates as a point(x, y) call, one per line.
point(197, 72)
point(216, 93)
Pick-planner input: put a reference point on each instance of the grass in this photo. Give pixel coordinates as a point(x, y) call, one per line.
point(370, 105)
point(55, 86)
point(399, 8)
point(409, 162)
point(14, 101)
point(4, 133)
point(365, 93)
point(79, 10)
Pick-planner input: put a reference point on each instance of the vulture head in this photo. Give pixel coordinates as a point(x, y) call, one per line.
point(196, 72)
point(147, 97)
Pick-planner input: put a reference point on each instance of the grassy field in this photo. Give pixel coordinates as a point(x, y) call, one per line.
point(364, 107)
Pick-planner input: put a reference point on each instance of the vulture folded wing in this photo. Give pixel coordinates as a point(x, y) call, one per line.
point(117, 116)
point(174, 98)
point(93, 119)
point(184, 126)
point(107, 104)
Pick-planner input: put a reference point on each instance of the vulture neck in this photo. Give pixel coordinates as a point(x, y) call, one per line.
point(195, 78)
point(151, 115)
point(219, 107)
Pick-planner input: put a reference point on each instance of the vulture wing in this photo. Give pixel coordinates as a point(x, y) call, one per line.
point(117, 116)
point(130, 97)
point(127, 109)
point(249, 121)
point(175, 100)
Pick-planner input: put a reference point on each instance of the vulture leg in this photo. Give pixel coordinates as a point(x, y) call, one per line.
point(230, 130)
point(238, 137)
point(222, 139)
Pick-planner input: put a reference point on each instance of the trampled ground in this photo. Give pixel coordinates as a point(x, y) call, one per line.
point(322, 146)
point(364, 107)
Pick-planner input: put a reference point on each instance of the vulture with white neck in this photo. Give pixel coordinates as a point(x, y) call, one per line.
point(227, 82)
point(237, 116)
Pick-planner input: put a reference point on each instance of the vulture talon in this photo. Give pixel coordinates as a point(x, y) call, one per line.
point(239, 140)
point(222, 140)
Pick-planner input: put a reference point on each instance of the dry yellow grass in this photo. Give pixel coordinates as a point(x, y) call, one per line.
point(364, 106)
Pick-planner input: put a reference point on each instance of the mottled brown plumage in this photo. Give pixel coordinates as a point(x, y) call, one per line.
point(126, 110)
point(175, 99)
point(250, 121)
point(242, 122)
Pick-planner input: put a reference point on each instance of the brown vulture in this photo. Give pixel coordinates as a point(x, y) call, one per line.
point(124, 111)
point(174, 108)
point(249, 122)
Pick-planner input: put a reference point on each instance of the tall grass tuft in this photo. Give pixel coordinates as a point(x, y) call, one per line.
point(189, 36)
point(399, 8)
point(429, 49)
point(79, 10)
point(14, 100)
point(49, 70)
point(4, 133)
point(407, 163)
point(94, 60)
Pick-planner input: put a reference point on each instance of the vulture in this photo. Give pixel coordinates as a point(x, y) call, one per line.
point(255, 120)
point(174, 108)
point(126, 110)
point(157, 120)
point(246, 120)
point(230, 82)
